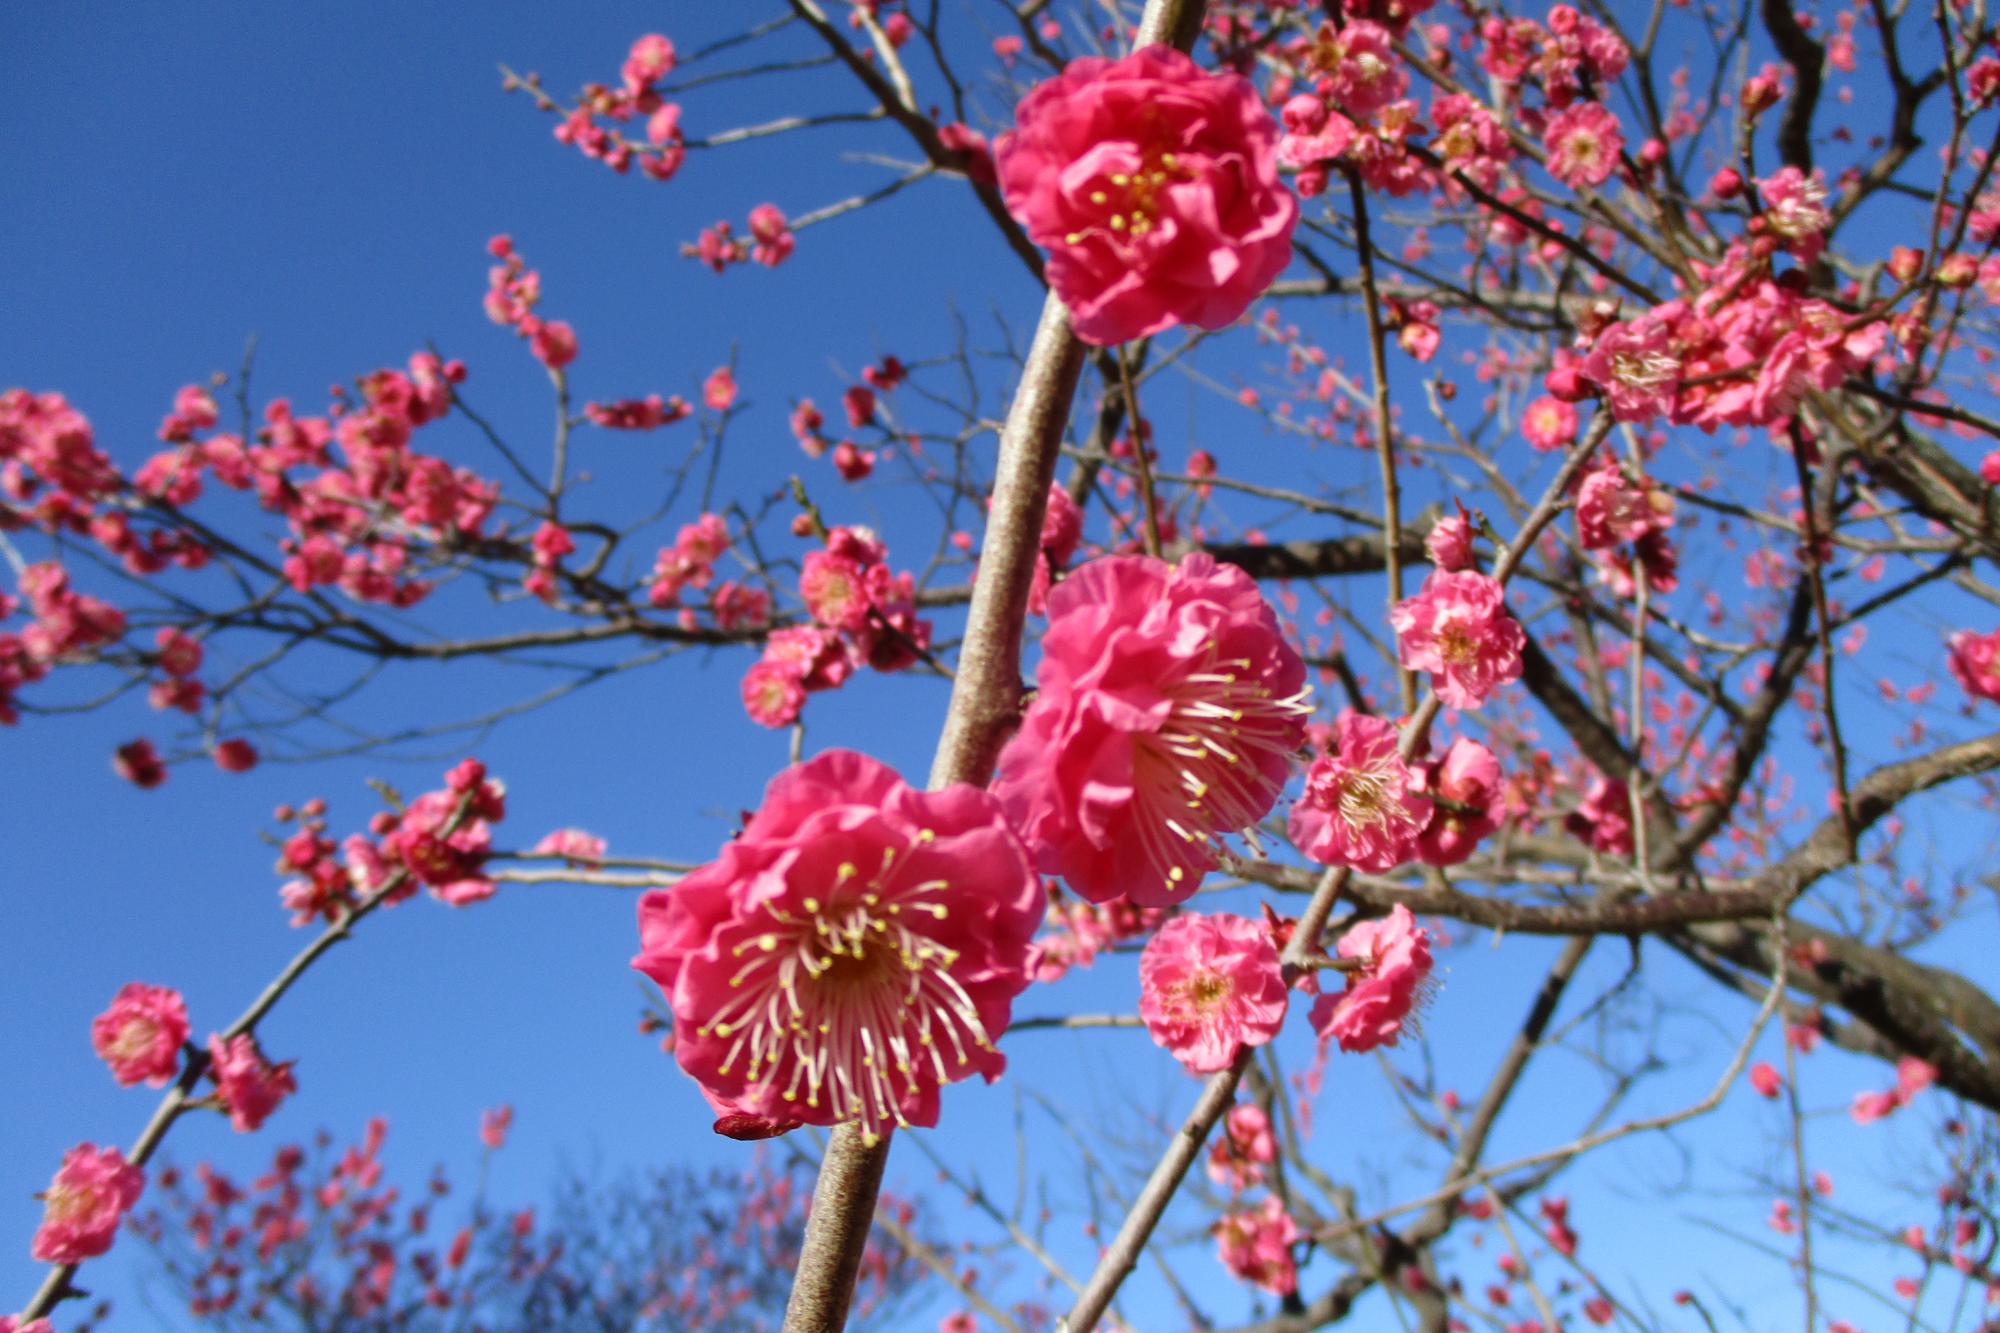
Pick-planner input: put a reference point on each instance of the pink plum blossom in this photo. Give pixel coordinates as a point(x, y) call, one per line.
point(1154, 186)
point(1375, 1007)
point(1975, 663)
point(1256, 1245)
point(1363, 806)
point(82, 1206)
point(1209, 985)
point(1168, 705)
point(249, 1086)
point(1583, 142)
point(857, 947)
point(1464, 788)
point(1458, 629)
point(140, 1035)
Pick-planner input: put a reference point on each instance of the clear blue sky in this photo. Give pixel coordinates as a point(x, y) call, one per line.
point(326, 179)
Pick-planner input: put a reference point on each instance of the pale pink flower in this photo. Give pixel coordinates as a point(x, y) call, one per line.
point(1256, 1245)
point(1914, 1075)
point(1975, 663)
point(1168, 705)
point(857, 947)
point(1362, 806)
point(1209, 985)
point(1154, 186)
point(1637, 366)
point(1374, 1008)
point(140, 1035)
point(575, 846)
point(1243, 1149)
point(1549, 423)
point(1464, 788)
point(1795, 210)
point(1583, 142)
point(249, 1086)
point(1458, 629)
point(82, 1206)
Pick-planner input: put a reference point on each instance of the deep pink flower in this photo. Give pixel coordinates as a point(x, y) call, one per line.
point(1243, 1149)
point(139, 764)
point(1168, 707)
point(553, 343)
point(83, 1204)
point(1458, 629)
point(449, 864)
point(1975, 663)
point(1603, 820)
point(1376, 1005)
point(250, 1086)
point(1450, 543)
point(1154, 186)
point(1208, 985)
point(1465, 791)
point(140, 1035)
point(857, 947)
point(235, 755)
point(773, 235)
point(12, 1324)
point(1256, 1245)
point(1583, 141)
point(1766, 1079)
point(1362, 806)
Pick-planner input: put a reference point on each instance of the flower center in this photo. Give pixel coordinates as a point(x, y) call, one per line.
point(1132, 199)
point(1203, 994)
point(135, 1038)
point(1644, 370)
point(851, 1003)
point(67, 1203)
point(1456, 645)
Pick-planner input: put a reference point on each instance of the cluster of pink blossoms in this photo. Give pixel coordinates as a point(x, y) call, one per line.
point(1458, 629)
point(857, 947)
point(1168, 706)
point(1743, 352)
point(1344, 104)
point(860, 406)
point(861, 613)
point(1209, 986)
point(1375, 1007)
point(1075, 931)
point(769, 243)
point(1912, 1077)
point(1153, 184)
point(421, 840)
point(1256, 1245)
point(512, 292)
point(660, 154)
point(648, 413)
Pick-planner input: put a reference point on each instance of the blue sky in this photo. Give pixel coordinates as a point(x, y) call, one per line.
point(326, 180)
